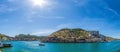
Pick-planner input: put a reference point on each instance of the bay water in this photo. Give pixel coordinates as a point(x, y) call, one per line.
point(33, 46)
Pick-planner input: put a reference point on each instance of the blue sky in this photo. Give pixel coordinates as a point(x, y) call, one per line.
point(46, 16)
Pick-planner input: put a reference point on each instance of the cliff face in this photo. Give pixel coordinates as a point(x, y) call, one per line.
point(74, 35)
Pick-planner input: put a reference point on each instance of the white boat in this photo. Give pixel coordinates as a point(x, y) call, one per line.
point(41, 44)
point(4, 45)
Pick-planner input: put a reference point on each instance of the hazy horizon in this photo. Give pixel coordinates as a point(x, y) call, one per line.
point(42, 17)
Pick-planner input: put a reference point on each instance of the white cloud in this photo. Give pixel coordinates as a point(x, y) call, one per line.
point(32, 15)
point(87, 23)
point(12, 9)
point(4, 9)
point(81, 3)
point(43, 32)
point(11, 0)
point(33, 19)
point(66, 25)
point(30, 20)
point(50, 17)
point(116, 13)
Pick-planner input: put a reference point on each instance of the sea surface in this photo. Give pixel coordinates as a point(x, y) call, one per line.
point(33, 46)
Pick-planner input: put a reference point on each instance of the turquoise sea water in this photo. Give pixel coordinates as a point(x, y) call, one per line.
point(32, 46)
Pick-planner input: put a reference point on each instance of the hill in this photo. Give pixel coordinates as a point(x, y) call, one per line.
point(3, 37)
point(76, 35)
point(27, 37)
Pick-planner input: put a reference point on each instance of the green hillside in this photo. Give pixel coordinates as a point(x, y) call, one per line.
point(75, 35)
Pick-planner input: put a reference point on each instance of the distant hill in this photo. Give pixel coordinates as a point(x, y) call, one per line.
point(3, 37)
point(76, 35)
point(26, 37)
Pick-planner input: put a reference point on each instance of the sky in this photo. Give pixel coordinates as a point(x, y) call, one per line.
point(43, 17)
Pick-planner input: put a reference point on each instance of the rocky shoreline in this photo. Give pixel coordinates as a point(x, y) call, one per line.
point(54, 40)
